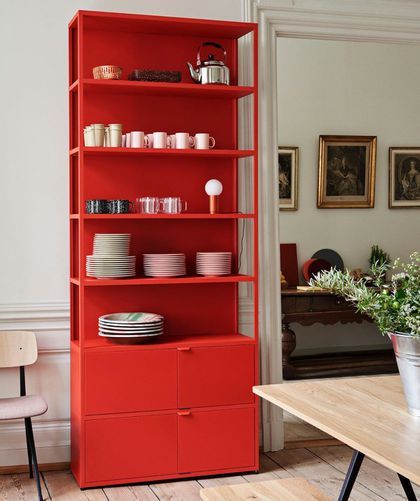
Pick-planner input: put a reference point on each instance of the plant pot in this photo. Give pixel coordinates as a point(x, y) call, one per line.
point(407, 353)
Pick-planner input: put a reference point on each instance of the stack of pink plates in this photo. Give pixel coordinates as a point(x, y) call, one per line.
point(164, 265)
point(214, 263)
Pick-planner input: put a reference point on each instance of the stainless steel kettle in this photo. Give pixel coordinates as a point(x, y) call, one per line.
point(210, 71)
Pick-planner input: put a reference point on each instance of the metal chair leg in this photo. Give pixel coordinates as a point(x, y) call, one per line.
point(408, 488)
point(31, 473)
point(354, 467)
point(34, 460)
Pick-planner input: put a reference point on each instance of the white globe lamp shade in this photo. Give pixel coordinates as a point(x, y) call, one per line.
point(214, 187)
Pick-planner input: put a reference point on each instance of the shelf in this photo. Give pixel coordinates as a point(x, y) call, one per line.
point(157, 152)
point(170, 341)
point(160, 25)
point(94, 282)
point(165, 216)
point(163, 88)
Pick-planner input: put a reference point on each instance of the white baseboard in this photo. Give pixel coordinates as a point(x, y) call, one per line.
point(52, 440)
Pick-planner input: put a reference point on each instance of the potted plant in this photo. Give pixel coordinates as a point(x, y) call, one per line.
point(394, 307)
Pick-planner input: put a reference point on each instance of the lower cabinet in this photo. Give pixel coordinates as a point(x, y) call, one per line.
point(216, 439)
point(123, 448)
point(130, 447)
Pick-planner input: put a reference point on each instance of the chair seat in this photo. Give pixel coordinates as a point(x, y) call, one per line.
point(22, 407)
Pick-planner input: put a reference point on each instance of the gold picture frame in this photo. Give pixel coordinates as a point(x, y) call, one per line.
point(346, 172)
point(404, 178)
point(288, 164)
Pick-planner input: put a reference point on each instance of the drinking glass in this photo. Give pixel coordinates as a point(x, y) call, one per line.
point(173, 205)
point(148, 205)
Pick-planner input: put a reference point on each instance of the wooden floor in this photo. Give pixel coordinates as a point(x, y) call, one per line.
point(324, 466)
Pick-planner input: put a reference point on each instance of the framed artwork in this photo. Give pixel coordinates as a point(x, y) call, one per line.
point(404, 178)
point(288, 158)
point(346, 175)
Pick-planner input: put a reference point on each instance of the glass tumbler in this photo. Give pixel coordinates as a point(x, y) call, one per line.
point(173, 205)
point(148, 205)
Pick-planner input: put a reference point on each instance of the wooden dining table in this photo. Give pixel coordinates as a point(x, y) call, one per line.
point(369, 414)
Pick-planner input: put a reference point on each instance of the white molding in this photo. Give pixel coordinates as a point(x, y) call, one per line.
point(52, 438)
point(380, 21)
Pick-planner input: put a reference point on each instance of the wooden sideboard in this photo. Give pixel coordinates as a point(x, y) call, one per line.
point(307, 307)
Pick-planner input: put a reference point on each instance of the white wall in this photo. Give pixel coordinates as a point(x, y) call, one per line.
point(332, 87)
point(34, 194)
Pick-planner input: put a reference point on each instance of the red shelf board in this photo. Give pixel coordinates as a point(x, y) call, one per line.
point(165, 88)
point(163, 281)
point(165, 216)
point(173, 341)
point(160, 25)
point(157, 152)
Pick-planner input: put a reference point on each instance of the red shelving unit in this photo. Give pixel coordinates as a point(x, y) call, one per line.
point(181, 406)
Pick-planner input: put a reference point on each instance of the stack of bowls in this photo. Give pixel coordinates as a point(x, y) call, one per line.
point(110, 258)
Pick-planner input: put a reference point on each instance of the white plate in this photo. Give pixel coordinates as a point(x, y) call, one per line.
point(133, 317)
point(130, 332)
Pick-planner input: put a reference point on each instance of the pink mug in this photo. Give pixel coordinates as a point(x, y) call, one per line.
point(159, 140)
point(203, 141)
point(183, 140)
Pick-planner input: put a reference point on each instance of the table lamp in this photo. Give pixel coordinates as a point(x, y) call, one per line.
point(213, 189)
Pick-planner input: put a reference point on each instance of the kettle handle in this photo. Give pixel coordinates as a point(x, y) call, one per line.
point(211, 44)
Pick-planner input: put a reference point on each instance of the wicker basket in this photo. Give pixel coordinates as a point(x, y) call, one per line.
point(108, 72)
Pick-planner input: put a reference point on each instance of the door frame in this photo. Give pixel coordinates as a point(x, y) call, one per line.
point(381, 21)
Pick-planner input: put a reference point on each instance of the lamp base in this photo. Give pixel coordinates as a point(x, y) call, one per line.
point(214, 204)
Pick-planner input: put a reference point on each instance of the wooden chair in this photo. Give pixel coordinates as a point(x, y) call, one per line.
point(285, 489)
point(17, 349)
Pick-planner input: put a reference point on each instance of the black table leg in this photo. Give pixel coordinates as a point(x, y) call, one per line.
point(351, 475)
point(408, 488)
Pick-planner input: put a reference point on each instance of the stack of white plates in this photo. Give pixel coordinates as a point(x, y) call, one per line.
point(164, 265)
point(131, 327)
point(213, 263)
point(110, 257)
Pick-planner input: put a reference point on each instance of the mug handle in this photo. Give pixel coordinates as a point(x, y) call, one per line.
point(191, 141)
point(146, 142)
point(212, 142)
point(185, 206)
point(131, 207)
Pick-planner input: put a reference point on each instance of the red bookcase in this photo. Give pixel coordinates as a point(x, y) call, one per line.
point(181, 406)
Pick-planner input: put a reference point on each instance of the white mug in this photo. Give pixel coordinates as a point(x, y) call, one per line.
point(183, 140)
point(138, 139)
point(160, 140)
point(203, 141)
point(99, 134)
point(128, 140)
point(115, 137)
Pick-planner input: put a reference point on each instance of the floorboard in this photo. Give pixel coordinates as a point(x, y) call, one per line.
point(303, 463)
point(19, 487)
point(371, 474)
point(324, 466)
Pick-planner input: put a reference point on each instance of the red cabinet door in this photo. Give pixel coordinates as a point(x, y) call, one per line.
point(215, 440)
point(216, 376)
point(130, 381)
point(131, 447)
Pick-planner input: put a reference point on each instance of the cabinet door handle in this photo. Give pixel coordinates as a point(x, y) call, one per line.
point(184, 413)
point(184, 348)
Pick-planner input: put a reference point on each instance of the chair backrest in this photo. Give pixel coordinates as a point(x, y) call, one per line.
point(17, 348)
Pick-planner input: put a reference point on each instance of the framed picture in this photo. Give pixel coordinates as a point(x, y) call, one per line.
point(346, 176)
point(404, 178)
point(288, 158)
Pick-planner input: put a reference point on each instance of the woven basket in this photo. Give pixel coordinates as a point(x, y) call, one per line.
point(108, 72)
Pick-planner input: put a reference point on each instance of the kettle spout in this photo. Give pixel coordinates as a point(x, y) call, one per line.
point(195, 75)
